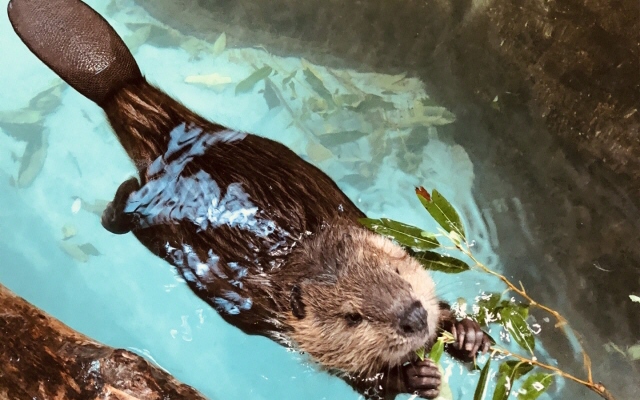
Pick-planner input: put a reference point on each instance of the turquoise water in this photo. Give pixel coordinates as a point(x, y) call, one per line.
point(59, 163)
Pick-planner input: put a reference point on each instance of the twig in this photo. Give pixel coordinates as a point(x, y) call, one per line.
point(598, 388)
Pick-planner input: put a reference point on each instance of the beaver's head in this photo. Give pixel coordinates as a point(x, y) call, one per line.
point(363, 304)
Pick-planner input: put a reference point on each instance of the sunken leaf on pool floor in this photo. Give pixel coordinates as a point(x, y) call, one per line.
point(520, 374)
point(27, 125)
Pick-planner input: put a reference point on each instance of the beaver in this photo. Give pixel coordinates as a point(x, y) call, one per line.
point(261, 235)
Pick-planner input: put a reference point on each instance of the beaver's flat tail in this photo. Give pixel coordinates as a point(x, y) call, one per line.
point(77, 44)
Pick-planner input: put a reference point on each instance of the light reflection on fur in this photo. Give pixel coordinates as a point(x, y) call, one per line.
point(187, 261)
point(170, 197)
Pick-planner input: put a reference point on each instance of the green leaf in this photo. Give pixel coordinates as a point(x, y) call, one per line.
point(436, 351)
point(47, 100)
point(445, 388)
point(74, 251)
point(317, 85)
point(349, 99)
point(437, 262)
point(513, 318)
point(534, 386)
point(220, 44)
point(248, 84)
point(138, 38)
point(89, 249)
point(286, 80)
point(32, 162)
point(25, 116)
point(508, 373)
point(633, 352)
point(428, 102)
point(488, 309)
point(338, 138)
point(482, 382)
point(421, 353)
point(69, 231)
point(442, 211)
point(419, 115)
point(372, 102)
point(404, 234)
point(270, 95)
point(211, 80)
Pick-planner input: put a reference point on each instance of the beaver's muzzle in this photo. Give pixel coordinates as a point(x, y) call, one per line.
point(413, 320)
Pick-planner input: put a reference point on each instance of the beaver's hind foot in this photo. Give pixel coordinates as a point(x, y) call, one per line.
point(114, 219)
point(422, 378)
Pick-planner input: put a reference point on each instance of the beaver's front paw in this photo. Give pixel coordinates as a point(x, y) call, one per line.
point(422, 378)
point(114, 219)
point(469, 339)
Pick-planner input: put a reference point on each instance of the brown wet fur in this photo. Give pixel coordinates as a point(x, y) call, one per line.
point(369, 275)
point(338, 266)
point(319, 282)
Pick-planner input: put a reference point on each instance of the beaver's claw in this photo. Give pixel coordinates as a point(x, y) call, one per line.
point(114, 219)
point(423, 379)
point(469, 339)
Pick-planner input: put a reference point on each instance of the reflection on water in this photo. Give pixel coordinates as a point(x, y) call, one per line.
point(564, 231)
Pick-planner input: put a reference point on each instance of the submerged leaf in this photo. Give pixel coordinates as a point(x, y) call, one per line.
point(437, 262)
point(535, 385)
point(288, 79)
point(404, 234)
point(24, 116)
point(32, 162)
point(317, 85)
point(318, 152)
point(338, 138)
point(220, 44)
point(193, 46)
point(74, 251)
point(428, 102)
point(481, 388)
point(509, 372)
point(390, 83)
point(358, 181)
point(49, 99)
point(69, 231)
point(348, 99)
point(633, 352)
point(372, 102)
point(421, 115)
point(138, 38)
point(247, 84)
point(270, 95)
point(442, 211)
point(436, 351)
point(214, 79)
point(89, 249)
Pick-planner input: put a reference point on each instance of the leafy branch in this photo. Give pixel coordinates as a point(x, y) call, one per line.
point(491, 308)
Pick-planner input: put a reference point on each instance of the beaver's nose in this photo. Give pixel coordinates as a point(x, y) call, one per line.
point(414, 319)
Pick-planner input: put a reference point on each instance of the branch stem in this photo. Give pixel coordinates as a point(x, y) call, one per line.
point(598, 388)
point(562, 323)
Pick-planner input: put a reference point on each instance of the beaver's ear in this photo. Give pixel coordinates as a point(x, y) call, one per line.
point(297, 306)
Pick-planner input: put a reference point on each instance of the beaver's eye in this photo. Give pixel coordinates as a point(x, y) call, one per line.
point(353, 319)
